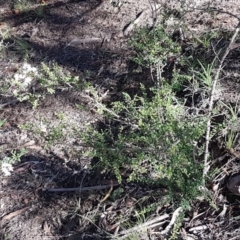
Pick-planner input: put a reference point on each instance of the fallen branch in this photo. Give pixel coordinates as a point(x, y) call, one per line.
point(211, 100)
point(81, 189)
point(143, 227)
point(173, 220)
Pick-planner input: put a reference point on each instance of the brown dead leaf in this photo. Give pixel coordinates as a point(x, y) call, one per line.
point(16, 11)
point(108, 194)
point(22, 167)
point(159, 208)
point(114, 228)
point(6, 124)
point(129, 202)
point(13, 214)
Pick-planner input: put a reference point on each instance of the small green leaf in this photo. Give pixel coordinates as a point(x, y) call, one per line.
point(2, 122)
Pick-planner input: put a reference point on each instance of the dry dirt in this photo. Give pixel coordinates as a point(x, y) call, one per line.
point(89, 39)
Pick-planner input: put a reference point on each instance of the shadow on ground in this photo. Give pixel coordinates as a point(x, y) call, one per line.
point(65, 214)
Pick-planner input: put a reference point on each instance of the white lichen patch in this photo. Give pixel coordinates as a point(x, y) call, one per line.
point(6, 168)
point(25, 75)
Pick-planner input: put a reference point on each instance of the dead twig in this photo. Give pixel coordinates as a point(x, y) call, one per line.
point(211, 100)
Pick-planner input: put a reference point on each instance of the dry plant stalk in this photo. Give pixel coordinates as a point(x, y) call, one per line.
point(215, 80)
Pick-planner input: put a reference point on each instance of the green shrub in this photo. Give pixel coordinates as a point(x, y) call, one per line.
point(153, 135)
point(153, 46)
point(155, 49)
point(156, 143)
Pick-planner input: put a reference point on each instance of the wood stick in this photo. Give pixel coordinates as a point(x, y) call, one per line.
point(143, 226)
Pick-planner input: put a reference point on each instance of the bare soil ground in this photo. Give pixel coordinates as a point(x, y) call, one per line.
point(90, 40)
